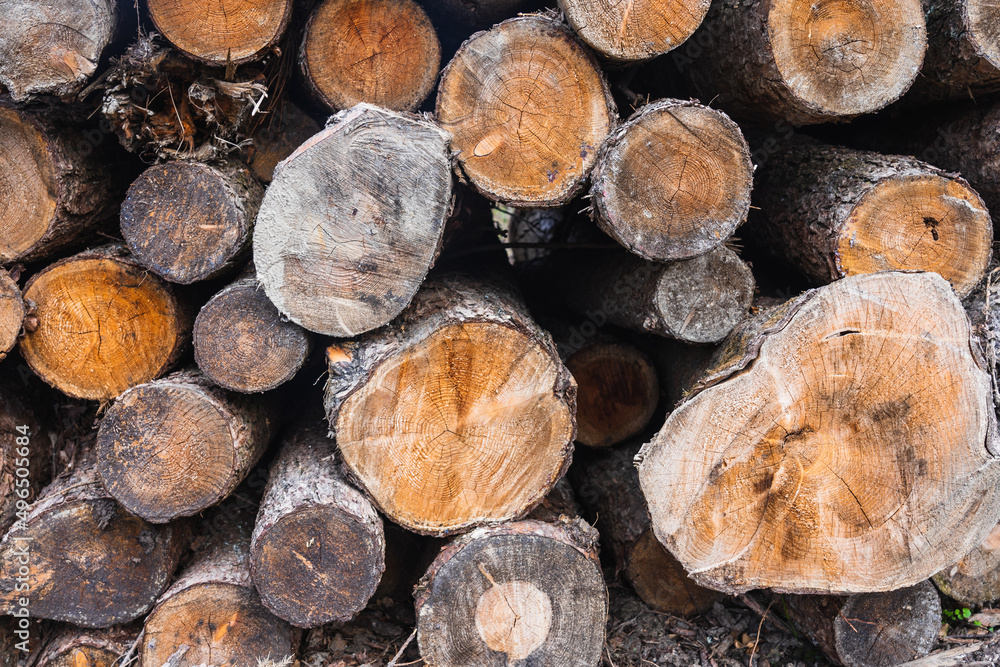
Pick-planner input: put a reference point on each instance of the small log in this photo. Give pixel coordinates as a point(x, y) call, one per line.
point(275, 139)
point(175, 446)
point(761, 459)
point(784, 60)
point(104, 324)
point(76, 647)
point(60, 184)
point(697, 300)
point(318, 548)
point(617, 388)
point(525, 590)
point(673, 182)
point(212, 615)
point(608, 485)
point(630, 31)
point(485, 426)
point(528, 108)
point(187, 221)
point(835, 212)
point(81, 559)
point(353, 220)
point(25, 450)
point(871, 629)
point(241, 342)
point(974, 580)
point(383, 52)
point(229, 32)
point(963, 50)
point(12, 312)
point(53, 48)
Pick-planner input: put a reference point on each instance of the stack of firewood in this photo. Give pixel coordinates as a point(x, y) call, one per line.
point(514, 235)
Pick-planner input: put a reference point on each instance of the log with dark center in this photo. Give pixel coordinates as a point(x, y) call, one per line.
point(90, 563)
point(179, 445)
point(104, 324)
point(353, 220)
point(835, 212)
point(761, 459)
point(384, 52)
point(525, 591)
point(188, 221)
point(636, 29)
point(807, 63)
point(318, 548)
point(221, 32)
point(57, 187)
point(241, 342)
point(212, 615)
point(459, 413)
point(53, 48)
point(528, 108)
point(870, 629)
point(674, 181)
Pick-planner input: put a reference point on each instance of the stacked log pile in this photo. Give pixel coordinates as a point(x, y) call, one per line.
point(307, 306)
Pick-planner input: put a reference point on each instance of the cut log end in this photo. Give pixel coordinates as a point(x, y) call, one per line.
point(617, 392)
point(187, 221)
point(219, 623)
point(983, 18)
point(242, 344)
point(104, 325)
point(485, 404)
point(52, 48)
point(528, 109)
point(318, 564)
point(636, 30)
point(223, 32)
point(844, 59)
point(674, 182)
point(661, 581)
point(974, 580)
point(925, 223)
point(763, 489)
point(12, 311)
point(27, 186)
point(288, 128)
point(525, 591)
point(383, 52)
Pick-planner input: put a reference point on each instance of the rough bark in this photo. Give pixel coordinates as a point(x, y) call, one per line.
point(104, 324)
point(673, 182)
point(608, 485)
point(762, 459)
point(53, 48)
point(12, 312)
point(318, 547)
point(212, 614)
point(527, 108)
point(871, 629)
point(75, 647)
point(383, 52)
point(617, 388)
point(188, 221)
point(637, 30)
point(803, 63)
point(59, 184)
point(353, 220)
point(698, 300)
point(526, 591)
point(834, 212)
point(175, 446)
point(227, 32)
point(241, 342)
point(974, 580)
point(485, 425)
point(287, 128)
point(89, 562)
point(963, 50)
